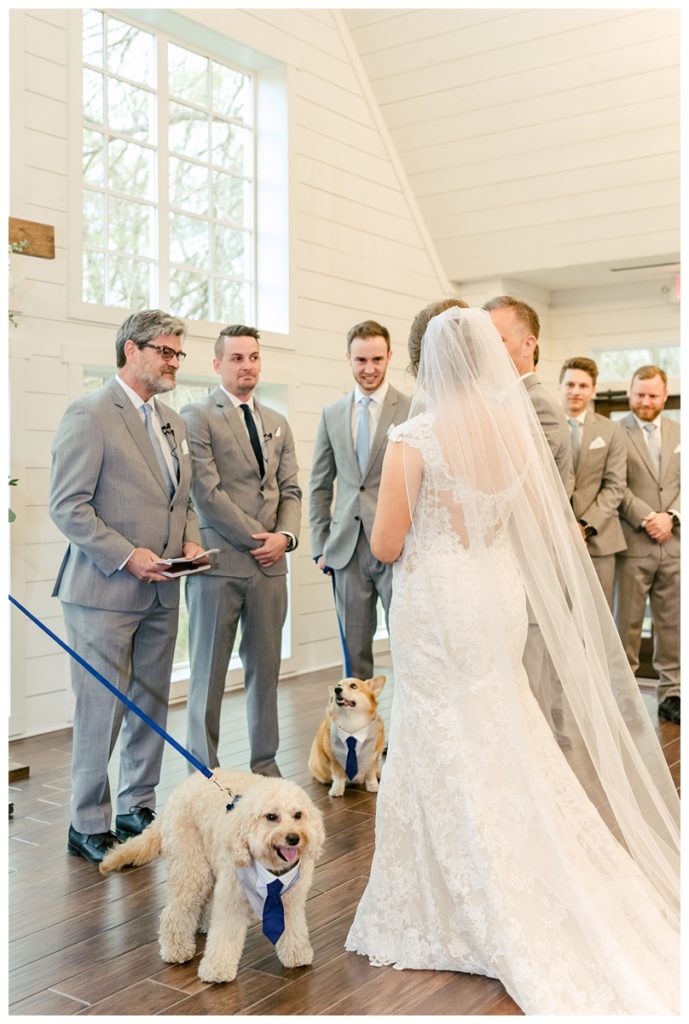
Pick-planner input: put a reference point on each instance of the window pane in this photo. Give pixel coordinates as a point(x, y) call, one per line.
point(188, 75)
point(93, 96)
point(232, 252)
point(231, 198)
point(129, 283)
point(231, 301)
point(188, 186)
point(93, 156)
point(130, 169)
point(619, 364)
point(131, 227)
point(189, 241)
point(94, 218)
point(131, 52)
point(667, 359)
point(188, 294)
point(231, 92)
point(93, 288)
point(130, 110)
point(231, 147)
point(188, 131)
point(92, 38)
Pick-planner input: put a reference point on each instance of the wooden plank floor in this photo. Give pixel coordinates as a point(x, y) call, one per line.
point(84, 944)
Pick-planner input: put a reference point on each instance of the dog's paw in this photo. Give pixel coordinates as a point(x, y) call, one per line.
point(215, 971)
point(298, 955)
point(177, 952)
point(337, 788)
point(371, 785)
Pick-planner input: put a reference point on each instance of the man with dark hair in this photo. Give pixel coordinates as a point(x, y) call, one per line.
point(649, 568)
point(120, 493)
point(249, 503)
point(599, 454)
point(519, 327)
point(350, 444)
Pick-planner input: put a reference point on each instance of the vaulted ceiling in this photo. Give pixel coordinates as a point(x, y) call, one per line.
point(540, 145)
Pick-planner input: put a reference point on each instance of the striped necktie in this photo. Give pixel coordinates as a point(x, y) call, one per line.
point(158, 451)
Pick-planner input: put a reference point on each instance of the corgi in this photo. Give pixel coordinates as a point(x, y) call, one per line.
point(350, 739)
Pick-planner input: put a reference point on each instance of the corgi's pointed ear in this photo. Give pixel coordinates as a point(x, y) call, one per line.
point(377, 683)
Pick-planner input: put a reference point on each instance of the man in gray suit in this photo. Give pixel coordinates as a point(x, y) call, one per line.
point(519, 328)
point(599, 453)
point(650, 566)
point(249, 503)
point(350, 444)
point(120, 493)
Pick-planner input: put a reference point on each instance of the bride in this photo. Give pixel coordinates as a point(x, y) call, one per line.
point(547, 860)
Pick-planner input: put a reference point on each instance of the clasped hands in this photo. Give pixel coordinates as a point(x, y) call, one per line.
point(658, 526)
point(145, 565)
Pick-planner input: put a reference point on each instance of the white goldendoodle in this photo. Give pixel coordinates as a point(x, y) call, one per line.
point(273, 824)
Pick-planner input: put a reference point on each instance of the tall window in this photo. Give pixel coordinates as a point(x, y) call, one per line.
point(168, 175)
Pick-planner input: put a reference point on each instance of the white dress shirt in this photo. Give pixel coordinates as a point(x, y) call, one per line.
point(255, 880)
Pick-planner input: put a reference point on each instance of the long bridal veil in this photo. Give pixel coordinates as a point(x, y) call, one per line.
point(500, 486)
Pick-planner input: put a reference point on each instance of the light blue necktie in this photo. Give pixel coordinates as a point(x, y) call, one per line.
point(153, 438)
point(362, 440)
point(653, 445)
point(574, 431)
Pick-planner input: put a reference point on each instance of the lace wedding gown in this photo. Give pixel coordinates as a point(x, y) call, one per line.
point(490, 856)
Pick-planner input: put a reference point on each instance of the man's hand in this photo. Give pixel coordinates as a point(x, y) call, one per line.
point(658, 526)
point(583, 531)
point(273, 548)
point(145, 565)
point(191, 551)
point(324, 567)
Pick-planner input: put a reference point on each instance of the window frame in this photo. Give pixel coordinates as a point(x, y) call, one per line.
point(114, 315)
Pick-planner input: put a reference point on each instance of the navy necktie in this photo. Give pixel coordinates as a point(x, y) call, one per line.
point(351, 765)
point(253, 436)
point(273, 912)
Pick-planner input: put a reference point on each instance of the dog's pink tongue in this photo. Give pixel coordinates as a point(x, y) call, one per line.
point(290, 853)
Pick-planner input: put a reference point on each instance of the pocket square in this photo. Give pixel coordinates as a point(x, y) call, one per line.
point(676, 451)
point(597, 442)
point(278, 431)
point(184, 446)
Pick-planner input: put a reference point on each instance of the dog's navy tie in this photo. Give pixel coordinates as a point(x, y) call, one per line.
point(351, 765)
point(273, 912)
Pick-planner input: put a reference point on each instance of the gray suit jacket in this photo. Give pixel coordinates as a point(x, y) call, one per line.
point(108, 495)
point(334, 533)
point(554, 425)
point(645, 492)
point(232, 500)
point(600, 480)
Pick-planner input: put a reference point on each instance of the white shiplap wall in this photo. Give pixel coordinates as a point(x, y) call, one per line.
point(358, 248)
point(532, 138)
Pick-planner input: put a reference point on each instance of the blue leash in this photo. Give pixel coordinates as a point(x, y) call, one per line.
point(121, 696)
point(347, 663)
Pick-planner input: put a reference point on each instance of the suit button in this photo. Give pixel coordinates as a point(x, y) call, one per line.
point(261, 489)
point(357, 518)
point(362, 488)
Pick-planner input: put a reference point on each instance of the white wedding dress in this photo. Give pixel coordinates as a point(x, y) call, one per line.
point(490, 857)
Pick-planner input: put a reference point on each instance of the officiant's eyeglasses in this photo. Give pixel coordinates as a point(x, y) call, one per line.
point(168, 354)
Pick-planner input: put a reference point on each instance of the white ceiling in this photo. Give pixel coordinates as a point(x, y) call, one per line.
point(540, 145)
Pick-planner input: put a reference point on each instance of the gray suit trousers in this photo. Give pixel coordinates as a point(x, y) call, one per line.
point(134, 651)
point(217, 604)
point(658, 578)
point(357, 588)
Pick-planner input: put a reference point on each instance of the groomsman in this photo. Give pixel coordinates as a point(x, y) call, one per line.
point(350, 444)
point(650, 566)
point(249, 503)
point(599, 454)
point(119, 492)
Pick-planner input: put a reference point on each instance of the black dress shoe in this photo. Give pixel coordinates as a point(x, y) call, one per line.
point(91, 847)
point(133, 824)
point(669, 708)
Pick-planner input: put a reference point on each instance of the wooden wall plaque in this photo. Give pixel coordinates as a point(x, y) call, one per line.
point(41, 238)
